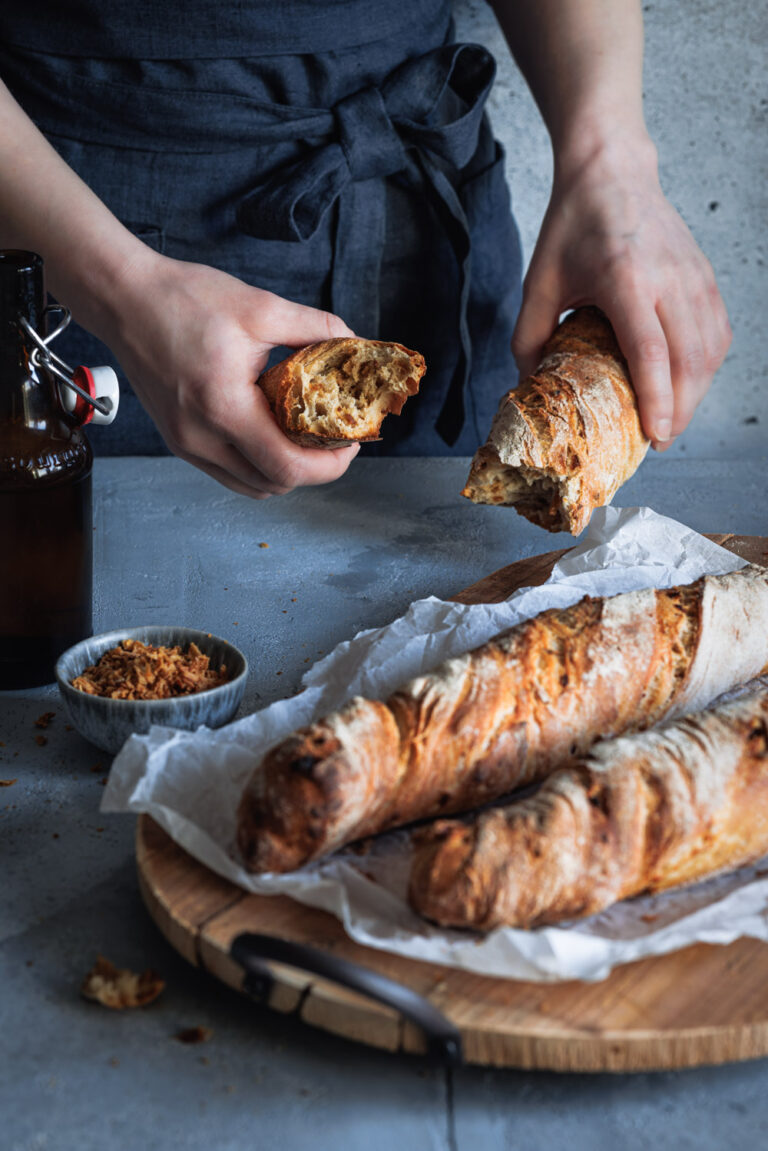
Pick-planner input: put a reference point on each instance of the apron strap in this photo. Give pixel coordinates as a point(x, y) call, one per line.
point(425, 121)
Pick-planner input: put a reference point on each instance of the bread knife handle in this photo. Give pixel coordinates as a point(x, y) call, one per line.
point(253, 952)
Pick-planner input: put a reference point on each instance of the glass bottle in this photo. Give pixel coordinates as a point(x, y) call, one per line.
point(46, 541)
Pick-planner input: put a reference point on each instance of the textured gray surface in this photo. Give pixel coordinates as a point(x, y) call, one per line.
point(172, 546)
point(706, 103)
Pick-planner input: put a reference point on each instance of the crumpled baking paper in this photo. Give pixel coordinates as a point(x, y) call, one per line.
point(190, 782)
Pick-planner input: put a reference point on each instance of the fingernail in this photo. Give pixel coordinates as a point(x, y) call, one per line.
point(663, 429)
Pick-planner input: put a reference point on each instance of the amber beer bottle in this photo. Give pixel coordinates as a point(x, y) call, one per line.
point(46, 544)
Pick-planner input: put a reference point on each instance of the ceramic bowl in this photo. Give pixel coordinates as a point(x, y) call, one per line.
point(107, 723)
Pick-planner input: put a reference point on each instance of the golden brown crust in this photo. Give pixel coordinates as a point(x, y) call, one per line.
point(507, 713)
point(569, 436)
point(638, 814)
point(338, 392)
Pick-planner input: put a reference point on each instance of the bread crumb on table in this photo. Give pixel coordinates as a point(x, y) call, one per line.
point(118, 988)
point(194, 1034)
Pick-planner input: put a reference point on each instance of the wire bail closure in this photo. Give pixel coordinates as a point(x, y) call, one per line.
point(81, 399)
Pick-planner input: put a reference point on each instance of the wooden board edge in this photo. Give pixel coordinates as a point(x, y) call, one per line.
point(617, 1053)
point(358, 1020)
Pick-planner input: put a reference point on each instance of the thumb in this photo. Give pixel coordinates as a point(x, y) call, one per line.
point(294, 325)
point(536, 322)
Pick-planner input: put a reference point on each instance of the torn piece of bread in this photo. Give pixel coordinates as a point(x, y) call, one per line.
point(638, 814)
point(564, 441)
point(119, 987)
point(338, 392)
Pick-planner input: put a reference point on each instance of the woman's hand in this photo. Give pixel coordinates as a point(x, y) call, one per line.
point(611, 238)
point(193, 341)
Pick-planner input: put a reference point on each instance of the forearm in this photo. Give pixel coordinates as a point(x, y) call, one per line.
point(45, 207)
point(583, 61)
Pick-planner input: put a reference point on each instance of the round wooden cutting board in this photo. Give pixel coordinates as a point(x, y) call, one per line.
point(704, 1004)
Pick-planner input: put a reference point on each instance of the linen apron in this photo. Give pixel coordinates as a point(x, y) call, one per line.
point(336, 154)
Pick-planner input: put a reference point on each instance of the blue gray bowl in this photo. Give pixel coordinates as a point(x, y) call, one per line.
point(107, 723)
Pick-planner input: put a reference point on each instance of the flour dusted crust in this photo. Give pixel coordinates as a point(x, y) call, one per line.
point(510, 712)
point(734, 622)
point(637, 814)
point(338, 392)
point(564, 441)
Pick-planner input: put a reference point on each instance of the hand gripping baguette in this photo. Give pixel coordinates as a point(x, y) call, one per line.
point(507, 713)
point(636, 814)
point(564, 441)
point(338, 392)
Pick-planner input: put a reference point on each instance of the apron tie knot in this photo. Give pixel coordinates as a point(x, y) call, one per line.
point(368, 137)
point(424, 121)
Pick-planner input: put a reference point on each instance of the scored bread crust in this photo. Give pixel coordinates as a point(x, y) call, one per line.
point(338, 392)
point(502, 715)
point(565, 440)
point(638, 814)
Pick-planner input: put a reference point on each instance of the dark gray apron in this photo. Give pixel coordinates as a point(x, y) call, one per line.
point(360, 178)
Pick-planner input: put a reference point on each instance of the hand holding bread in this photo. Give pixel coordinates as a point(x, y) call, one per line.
point(564, 441)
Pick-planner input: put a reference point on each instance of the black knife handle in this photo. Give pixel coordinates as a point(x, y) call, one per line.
point(252, 952)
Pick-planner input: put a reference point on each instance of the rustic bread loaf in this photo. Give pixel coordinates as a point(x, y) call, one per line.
point(507, 713)
point(564, 441)
point(338, 392)
point(637, 814)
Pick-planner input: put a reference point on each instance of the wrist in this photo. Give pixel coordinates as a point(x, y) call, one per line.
point(99, 288)
point(613, 146)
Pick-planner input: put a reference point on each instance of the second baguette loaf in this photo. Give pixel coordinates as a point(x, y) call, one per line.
point(505, 714)
point(642, 813)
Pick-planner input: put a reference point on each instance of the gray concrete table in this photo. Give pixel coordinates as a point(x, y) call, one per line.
point(172, 546)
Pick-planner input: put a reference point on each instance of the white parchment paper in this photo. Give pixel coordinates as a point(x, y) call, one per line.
point(190, 783)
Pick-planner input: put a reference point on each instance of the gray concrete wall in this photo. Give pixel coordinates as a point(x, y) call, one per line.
point(706, 102)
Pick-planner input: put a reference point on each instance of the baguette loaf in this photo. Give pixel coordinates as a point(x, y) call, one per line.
point(637, 814)
point(338, 392)
point(564, 441)
point(507, 713)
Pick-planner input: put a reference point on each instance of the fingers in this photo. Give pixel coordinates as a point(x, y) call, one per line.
point(643, 340)
point(698, 336)
point(225, 477)
point(296, 325)
point(691, 361)
point(286, 465)
point(241, 439)
point(713, 321)
point(256, 459)
point(227, 465)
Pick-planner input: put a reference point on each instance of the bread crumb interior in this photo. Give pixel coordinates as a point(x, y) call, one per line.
point(347, 392)
point(534, 493)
